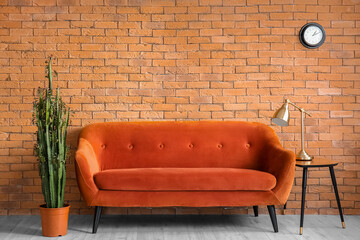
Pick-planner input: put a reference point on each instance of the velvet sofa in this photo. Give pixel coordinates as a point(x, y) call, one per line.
point(183, 164)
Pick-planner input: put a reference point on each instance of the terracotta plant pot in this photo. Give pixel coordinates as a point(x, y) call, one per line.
point(54, 221)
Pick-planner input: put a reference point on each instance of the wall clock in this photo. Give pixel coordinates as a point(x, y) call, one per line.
point(312, 35)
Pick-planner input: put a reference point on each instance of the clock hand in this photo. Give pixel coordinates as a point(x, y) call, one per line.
point(315, 33)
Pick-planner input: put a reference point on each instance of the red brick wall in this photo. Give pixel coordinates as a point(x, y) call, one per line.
point(131, 60)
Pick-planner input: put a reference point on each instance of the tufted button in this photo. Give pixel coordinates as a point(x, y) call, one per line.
point(103, 146)
point(131, 146)
point(220, 145)
point(161, 146)
point(191, 145)
point(247, 145)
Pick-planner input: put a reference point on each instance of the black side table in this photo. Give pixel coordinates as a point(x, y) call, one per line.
point(312, 164)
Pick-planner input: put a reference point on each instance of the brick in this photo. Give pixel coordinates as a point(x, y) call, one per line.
point(162, 17)
point(20, 2)
point(105, 25)
point(282, 16)
point(223, 39)
point(210, 32)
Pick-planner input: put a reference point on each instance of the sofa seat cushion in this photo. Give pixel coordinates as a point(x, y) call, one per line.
point(184, 179)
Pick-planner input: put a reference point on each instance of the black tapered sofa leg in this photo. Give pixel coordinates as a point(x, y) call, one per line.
point(256, 211)
point(97, 215)
point(272, 213)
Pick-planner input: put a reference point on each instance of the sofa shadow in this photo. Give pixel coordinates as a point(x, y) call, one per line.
point(250, 223)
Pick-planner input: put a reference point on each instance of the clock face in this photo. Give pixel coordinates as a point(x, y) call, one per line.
point(313, 35)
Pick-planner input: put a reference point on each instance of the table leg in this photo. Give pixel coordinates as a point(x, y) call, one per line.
point(333, 178)
point(304, 181)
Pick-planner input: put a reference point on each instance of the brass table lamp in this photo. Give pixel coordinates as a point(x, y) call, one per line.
point(282, 117)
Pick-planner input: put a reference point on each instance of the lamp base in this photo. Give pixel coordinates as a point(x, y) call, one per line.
point(303, 156)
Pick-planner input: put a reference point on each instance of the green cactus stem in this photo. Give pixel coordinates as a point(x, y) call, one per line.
point(52, 119)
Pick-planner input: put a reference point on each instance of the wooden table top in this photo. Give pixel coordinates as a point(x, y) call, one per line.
point(316, 163)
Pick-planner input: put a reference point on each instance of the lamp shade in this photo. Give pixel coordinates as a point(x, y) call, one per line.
point(282, 116)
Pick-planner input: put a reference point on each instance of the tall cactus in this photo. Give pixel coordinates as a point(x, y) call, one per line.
point(52, 118)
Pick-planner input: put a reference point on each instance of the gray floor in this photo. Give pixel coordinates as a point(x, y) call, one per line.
point(224, 227)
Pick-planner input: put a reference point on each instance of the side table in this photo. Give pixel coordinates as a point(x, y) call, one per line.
point(312, 164)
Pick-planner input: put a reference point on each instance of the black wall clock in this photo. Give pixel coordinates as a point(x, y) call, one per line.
point(312, 35)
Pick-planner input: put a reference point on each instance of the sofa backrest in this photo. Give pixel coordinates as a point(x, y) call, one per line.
point(179, 144)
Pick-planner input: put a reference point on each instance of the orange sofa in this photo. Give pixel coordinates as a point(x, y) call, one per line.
point(187, 164)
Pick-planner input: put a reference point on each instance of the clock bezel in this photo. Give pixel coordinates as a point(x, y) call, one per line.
point(302, 31)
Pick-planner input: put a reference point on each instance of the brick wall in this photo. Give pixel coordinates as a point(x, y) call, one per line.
point(131, 60)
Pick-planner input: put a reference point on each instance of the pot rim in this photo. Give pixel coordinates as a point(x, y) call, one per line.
point(43, 206)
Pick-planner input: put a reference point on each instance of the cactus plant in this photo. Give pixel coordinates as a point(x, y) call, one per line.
point(51, 118)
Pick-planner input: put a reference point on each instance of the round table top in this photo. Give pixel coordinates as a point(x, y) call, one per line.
point(316, 163)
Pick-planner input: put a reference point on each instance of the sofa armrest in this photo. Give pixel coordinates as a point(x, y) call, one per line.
point(281, 163)
point(87, 165)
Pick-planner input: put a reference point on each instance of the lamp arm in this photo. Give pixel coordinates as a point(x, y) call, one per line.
point(299, 108)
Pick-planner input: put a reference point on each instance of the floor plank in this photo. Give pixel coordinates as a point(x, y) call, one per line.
point(187, 227)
